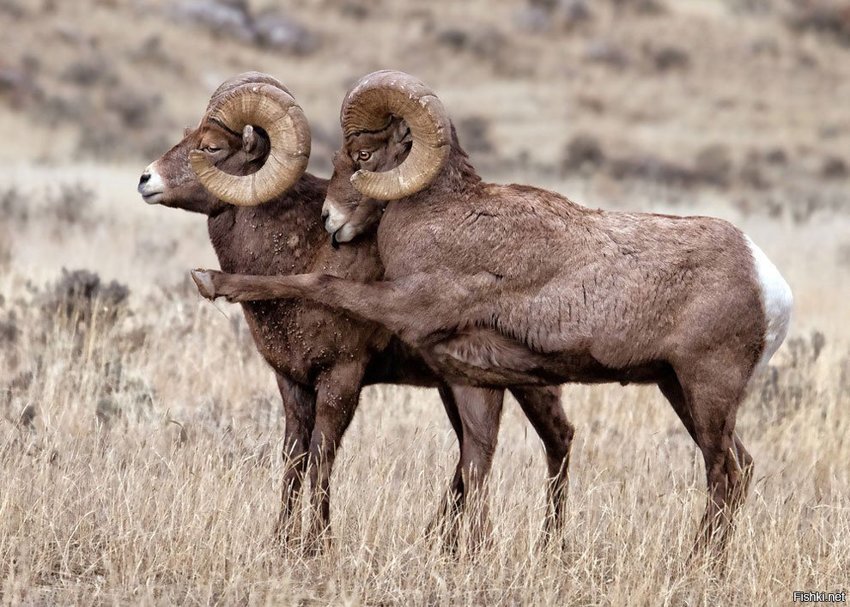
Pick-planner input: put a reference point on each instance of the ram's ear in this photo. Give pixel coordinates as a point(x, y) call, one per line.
point(254, 143)
point(250, 140)
point(402, 133)
point(402, 141)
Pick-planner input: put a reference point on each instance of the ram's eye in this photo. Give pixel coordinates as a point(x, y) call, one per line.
point(364, 155)
point(210, 148)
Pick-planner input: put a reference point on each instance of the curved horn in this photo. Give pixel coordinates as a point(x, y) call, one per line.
point(371, 103)
point(242, 79)
point(267, 105)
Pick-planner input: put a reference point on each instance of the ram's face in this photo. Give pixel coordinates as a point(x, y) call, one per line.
point(346, 212)
point(170, 181)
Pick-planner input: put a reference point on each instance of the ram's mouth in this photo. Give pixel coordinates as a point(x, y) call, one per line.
point(334, 241)
point(152, 197)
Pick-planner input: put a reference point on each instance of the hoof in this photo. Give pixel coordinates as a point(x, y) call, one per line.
point(204, 282)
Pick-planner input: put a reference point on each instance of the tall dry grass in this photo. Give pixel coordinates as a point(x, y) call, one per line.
point(140, 464)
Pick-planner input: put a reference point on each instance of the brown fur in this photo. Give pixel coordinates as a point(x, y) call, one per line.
point(502, 285)
point(322, 357)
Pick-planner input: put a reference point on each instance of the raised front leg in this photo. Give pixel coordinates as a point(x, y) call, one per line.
point(338, 393)
point(411, 306)
point(299, 406)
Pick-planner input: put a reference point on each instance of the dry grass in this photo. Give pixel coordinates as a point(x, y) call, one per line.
point(141, 463)
point(168, 492)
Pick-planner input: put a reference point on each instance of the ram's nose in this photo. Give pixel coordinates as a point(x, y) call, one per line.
point(146, 176)
point(150, 186)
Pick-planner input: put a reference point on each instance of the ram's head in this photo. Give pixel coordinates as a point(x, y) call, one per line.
point(396, 140)
point(252, 145)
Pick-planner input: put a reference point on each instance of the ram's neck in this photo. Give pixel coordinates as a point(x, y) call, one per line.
point(283, 236)
point(459, 174)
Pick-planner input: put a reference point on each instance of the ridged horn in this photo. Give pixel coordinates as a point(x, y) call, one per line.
point(261, 102)
point(369, 106)
point(246, 78)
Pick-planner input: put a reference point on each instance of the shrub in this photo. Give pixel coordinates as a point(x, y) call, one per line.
point(80, 294)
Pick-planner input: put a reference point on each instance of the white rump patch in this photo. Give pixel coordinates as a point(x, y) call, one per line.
point(777, 300)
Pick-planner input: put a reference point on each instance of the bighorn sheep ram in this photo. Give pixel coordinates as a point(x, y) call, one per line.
point(505, 285)
point(251, 147)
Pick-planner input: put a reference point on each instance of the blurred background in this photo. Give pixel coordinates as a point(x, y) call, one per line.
point(736, 108)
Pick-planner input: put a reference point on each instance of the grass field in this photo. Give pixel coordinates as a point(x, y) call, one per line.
point(140, 432)
point(140, 443)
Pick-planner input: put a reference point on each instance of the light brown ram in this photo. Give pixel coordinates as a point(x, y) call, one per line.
point(505, 285)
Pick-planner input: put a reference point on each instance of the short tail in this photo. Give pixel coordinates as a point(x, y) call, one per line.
point(777, 300)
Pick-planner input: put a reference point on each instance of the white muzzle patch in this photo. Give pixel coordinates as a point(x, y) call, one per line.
point(153, 187)
point(335, 218)
point(345, 234)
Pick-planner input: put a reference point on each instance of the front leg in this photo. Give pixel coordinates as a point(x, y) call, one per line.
point(444, 521)
point(413, 307)
point(543, 408)
point(299, 406)
point(338, 394)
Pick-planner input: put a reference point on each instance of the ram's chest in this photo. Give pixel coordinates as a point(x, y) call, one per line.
point(296, 340)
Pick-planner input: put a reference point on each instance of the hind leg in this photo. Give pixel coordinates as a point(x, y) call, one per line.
point(739, 462)
point(675, 395)
point(712, 393)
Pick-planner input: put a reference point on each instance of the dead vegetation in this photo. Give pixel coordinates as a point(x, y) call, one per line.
point(825, 17)
point(17, 85)
point(130, 472)
point(61, 206)
point(759, 180)
point(567, 15)
point(793, 386)
point(267, 28)
point(80, 295)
